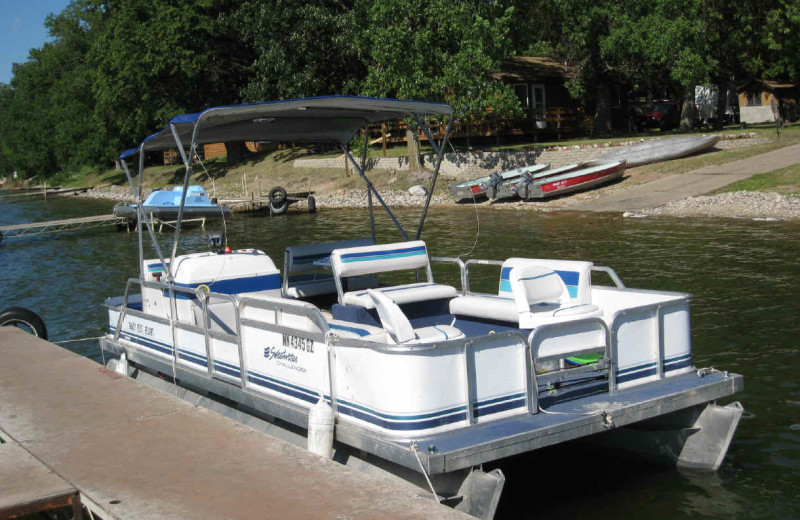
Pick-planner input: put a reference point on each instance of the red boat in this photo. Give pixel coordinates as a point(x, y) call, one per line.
point(588, 176)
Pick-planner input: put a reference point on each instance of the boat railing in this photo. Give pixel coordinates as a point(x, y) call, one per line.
point(611, 273)
point(658, 309)
point(279, 308)
point(467, 348)
point(452, 260)
point(541, 333)
point(471, 262)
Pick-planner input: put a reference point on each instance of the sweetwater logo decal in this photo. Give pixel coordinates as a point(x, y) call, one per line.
point(285, 357)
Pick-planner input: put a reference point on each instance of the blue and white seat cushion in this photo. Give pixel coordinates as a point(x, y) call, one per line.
point(563, 294)
point(537, 290)
point(347, 329)
point(301, 274)
point(402, 294)
point(370, 260)
point(399, 329)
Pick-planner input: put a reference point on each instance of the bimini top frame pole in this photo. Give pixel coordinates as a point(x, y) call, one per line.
point(326, 119)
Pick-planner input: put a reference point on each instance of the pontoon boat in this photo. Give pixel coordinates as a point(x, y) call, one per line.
point(426, 381)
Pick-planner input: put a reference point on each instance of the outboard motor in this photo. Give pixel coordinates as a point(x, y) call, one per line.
point(525, 182)
point(491, 185)
point(216, 242)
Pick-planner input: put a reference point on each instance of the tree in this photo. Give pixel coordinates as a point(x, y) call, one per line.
point(46, 124)
point(158, 58)
point(298, 48)
point(437, 50)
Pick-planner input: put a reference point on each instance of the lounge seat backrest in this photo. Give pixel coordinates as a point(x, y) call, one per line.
point(535, 284)
point(575, 275)
point(302, 277)
point(399, 256)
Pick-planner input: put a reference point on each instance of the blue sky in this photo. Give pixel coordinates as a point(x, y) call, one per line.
point(22, 28)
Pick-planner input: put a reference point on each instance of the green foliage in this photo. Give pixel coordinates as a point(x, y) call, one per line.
point(300, 48)
point(115, 70)
point(158, 58)
point(438, 50)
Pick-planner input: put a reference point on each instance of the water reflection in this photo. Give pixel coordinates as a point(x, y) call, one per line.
point(743, 276)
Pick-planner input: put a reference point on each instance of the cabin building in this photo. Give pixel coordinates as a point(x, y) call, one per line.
point(762, 101)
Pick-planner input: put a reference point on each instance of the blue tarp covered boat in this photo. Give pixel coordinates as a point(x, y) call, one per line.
point(164, 205)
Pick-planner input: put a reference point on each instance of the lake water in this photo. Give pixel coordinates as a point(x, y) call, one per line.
point(744, 276)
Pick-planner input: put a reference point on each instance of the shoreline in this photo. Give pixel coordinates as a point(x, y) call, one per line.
point(755, 205)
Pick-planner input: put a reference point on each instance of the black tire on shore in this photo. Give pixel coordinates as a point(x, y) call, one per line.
point(312, 204)
point(23, 318)
point(277, 195)
point(279, 208)
point(1, 237)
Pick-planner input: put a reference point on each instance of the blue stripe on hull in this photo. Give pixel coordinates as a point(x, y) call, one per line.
point(390, 422)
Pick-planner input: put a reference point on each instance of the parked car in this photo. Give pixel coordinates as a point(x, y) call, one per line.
point(666, 114)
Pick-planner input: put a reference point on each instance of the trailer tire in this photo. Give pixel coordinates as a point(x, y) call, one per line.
point(277, 196)
point(312, 204)
point(23, 318)
point(278, 209)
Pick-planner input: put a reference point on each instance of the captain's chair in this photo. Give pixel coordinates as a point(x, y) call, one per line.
point(538, 293)
point(399, 329)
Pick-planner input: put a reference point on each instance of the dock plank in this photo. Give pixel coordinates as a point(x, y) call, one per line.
point(141, 453)
point(27, 486)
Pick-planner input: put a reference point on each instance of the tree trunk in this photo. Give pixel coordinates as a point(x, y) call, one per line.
point(235, 151)
point(722, 105)
point(689, 110)
point(602, 111)
point(412, 139)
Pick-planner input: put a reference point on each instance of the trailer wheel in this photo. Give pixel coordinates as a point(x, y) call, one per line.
point(24, 319)
point(278, 209)
point(277, 196)
point(312, 204)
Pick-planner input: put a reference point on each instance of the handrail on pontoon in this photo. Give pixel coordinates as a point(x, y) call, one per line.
point(610, 272)
point(659, 308)
point(607, 361)
point(476, 261)
point(452, 260)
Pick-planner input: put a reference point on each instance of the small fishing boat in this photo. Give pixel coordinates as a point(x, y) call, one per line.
point(419, 380)
point(511, 188)
point(486, 186)
point(663, 149)
point(165, 205)
point(560, 181)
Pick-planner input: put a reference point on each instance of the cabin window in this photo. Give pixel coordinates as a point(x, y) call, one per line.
point(537, 100)
point(754, 99)
point(521, 90)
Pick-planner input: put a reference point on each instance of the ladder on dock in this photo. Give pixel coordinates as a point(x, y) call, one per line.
point(58, 226)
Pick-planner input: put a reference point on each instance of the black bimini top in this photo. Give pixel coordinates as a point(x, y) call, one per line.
point(333, 119)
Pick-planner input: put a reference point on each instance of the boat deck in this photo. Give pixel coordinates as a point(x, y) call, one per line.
point(134, 452)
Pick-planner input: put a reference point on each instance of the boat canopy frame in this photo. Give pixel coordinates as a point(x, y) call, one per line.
point(324, 119)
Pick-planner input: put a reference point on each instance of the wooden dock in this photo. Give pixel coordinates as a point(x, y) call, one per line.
point(58, 226)
point(132, 451)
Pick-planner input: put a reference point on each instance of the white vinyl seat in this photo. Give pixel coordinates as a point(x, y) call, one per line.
point(537, 291)
point(400, 330)
point(384, 258)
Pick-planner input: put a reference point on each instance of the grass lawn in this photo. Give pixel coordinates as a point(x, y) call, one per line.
point(785, 181)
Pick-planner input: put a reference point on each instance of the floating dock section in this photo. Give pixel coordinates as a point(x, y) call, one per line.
point(126, 450)
point(58, 226)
